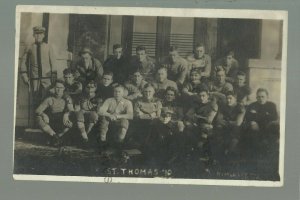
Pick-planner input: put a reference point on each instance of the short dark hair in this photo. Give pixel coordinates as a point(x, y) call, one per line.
point(137, 70)
point(230, 53)
point(201, 88)
point(162, 67)
point(241, 73)
point(231, 93)
point(170, 88)
point(68, 71)
point(116, 46)
point(262, 90)
point(108, 73)
point(196, 70)
point(200, 44)
point(91, 82)
point(173, 48)
point(219, 68)
point(140, 48)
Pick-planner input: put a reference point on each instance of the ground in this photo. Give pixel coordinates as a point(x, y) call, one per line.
point(34, 156)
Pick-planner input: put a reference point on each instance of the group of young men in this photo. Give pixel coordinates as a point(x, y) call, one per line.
point(174, 105)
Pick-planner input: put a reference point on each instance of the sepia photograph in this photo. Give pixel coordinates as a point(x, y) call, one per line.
point(150, 95)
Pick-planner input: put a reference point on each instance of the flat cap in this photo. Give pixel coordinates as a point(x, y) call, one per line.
point(166, 110)
point(39, 29)
point(85, 50)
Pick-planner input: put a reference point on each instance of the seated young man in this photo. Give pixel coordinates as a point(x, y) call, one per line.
point(262, 113)
point(176, 65)
point(105, 89)
point(53, 113)
point(86, 110)
point(220, 87)
point(72, 88)
point(199, 120)
point(163, 142)
point(228, 123)
point(162, 82)
point(115, 112)
point(230, 66)
point(261, 132)
point(135, 86)
point(171, 101)
point(146, 109)
point(189, 94)
point(242, 90)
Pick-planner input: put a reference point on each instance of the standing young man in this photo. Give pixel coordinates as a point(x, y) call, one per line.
point(117, 64)
point(142, 62)
point(177, 66)
point(200, 60)
point(88, 67)
point(38, 66)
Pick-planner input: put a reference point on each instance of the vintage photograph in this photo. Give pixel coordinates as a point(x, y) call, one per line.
point(150, 95)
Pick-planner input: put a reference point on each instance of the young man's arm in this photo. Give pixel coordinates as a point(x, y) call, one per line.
point(189, 116)
point(78, 88)
point(69, 108)
point(212, 114)
point(43, 106)
point(24, 62)
point(139, 113)
point(104, 108)
point(207, 69)
point(132, 91)
point(239, 119)
point(183, 70)
point(41, 109)
point(129, 112)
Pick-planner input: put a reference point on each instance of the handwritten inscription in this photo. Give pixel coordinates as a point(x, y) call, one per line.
point(149, 172)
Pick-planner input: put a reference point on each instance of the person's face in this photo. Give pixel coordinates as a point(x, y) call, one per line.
point(69, 79)
point(199, 52)
point(195, 77)
point(231, 100)
point(221, 76)
point(173, 55)
point(148, 93)
point(229, 59)
point(59, 89)
point(137, 77)
point(118, 52)
point(118, 92)
point(39, 37)
point(241, 80)
point(165, 118)
point(203, 97)
point(161, 75)
point(91, 89)
point(107, 80)
point(86, 58)
point(262, 97)
point(170, 96)
point(141, 55)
